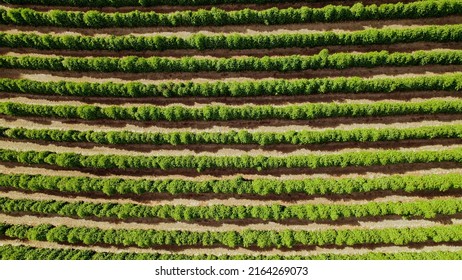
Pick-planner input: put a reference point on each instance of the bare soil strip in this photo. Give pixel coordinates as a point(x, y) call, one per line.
point(241, 251)
point(216, 149)
point(36, 123)
point(206, 199)
point(19, 98)
point(334, 171)
point(245, 100)
point(226, 7)
point(224, 151)
point(248, 124)
point(251, 29)
point(8, 168)
point(211, 76)
point(19, 53)
point(71, 222)
point(278, 172)
point(408, 47)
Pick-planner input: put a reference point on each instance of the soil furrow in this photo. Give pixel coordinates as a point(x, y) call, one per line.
point(9, 168)
point(245, 100)
point(211, 76)
point(406, 47)
point(242, 251)
point(251, 29)
point(334, 171)
point(224, 151)
point(248, 124)
point(37, 123)
point(235, 149)
point(72, 222)
point(205, 199)
point(18, 98)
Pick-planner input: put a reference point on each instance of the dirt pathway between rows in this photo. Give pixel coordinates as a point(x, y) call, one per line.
point(211, 76)
point(186, 31)
point(101, 126)
point(6, 168)
point(155, 199)
point(223, 152)
point(407, 47)
point(243, 251)
point(71, 222)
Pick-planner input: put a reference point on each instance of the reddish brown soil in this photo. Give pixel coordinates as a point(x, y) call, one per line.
point(261, 100)
point(387, 169)
point(285, 148)
point(250, 29)
point(327, 122)
point(212, 76)
point(250, 52)
point(286, 199)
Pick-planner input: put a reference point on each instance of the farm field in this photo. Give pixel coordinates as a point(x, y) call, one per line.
point(231, 130)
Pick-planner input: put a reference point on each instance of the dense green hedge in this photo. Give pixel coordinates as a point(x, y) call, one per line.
point(304, 137)
point(308, 111)
point(442, 82)
point(238, 185)
point(218, 17)
point(246, 238)
point(437, 33)
point(145, 3)
point(9, 252)
point(200, 163)
point(324, 60)
point(427, 209)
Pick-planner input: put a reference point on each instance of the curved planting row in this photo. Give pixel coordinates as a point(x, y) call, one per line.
point(238, 185)
point(307, 111)
point(309, 212)
point(8, 252)
point(241, 137)
point(441, 82)
point(323, 60)
point(231, 239)
point(143, 3)
point(330, 13)
point(199, 41)
point(200, 163)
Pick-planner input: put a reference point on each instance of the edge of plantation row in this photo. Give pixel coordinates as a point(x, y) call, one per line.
point(231, 239)
point(310, 212)
point(201, 163)
point(276, 87)
point(239, 137)
point(218, 17)
point(307, 111)
point(234, 41)
point(323, 60)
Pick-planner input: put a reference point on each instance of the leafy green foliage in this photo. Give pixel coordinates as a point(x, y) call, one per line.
point(214, 16)
point(9, 252)
point(324, 60)
point(246, 238)
point(310, 212)
point(145, 3)
point(308, 111)
point(437, 33)
point(241, 137)
point(238, 185)
point(200, 163)
point(352, 85)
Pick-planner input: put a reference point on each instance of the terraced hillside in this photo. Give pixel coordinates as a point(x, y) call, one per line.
point(219, 129)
